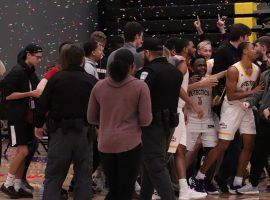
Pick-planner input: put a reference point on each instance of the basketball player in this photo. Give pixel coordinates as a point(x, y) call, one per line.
point(241, 79)
point(204, 127)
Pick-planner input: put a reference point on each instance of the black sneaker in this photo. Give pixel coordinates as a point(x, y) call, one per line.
point(24, 194)
point(222, 185)
point(10, 191)
point(27, 185)
point(211, 188)
point(233, 189)
point(197, 184)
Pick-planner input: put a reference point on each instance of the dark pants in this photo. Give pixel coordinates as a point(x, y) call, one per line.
point(155, 173)
point(96, 158)
point(260, 152)
point(121, 170)
point(68, 147)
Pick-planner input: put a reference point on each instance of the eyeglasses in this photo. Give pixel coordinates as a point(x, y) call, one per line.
point(38, 57)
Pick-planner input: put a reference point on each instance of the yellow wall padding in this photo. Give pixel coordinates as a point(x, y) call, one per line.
point(250, 22)
point(245, 8)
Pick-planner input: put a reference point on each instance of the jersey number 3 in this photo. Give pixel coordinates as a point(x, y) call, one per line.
point(199, 101)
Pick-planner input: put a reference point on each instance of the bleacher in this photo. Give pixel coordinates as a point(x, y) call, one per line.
point(175, 17)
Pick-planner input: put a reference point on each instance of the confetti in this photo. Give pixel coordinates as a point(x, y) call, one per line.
point(47, 23)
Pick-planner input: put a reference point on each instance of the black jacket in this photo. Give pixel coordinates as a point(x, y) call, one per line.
point(225, 57)
point(17, 80)
point(164, 81)
point(65, 96)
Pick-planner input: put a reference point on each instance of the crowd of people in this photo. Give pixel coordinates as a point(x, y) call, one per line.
point(157, 118)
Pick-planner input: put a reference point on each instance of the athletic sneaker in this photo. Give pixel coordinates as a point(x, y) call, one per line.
point(233, 189)
point(10, 191)
point(155, 196)
point(24, 194)
point(27, 185)
point(248, 189)
point(211, 188)
point(197, 184)
point(190, 194)
point(222, 185)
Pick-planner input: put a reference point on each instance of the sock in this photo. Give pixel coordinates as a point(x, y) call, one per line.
point(200, 175)
point(183, 184)
point(10, 180)
point(237, 181)
point(17, 184)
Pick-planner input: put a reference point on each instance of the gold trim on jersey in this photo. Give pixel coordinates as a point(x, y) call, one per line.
point(244, 69)
point(225, 133)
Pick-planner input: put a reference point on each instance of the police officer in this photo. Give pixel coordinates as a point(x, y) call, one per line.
point(164, 82)
point(65, 99)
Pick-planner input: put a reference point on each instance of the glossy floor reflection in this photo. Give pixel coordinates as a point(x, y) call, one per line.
point(36, 177)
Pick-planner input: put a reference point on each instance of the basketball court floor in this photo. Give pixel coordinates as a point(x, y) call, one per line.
point(36, 177)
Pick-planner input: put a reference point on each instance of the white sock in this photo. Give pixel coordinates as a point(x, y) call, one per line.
point(200, 175)
point(183, 184)
point(237, 181)
point(10, 180)
point(17, 184)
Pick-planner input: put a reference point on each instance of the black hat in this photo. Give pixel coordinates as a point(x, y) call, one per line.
point(151, 44)
point(33, 48)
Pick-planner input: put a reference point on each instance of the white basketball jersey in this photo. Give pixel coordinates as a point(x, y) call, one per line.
point(245, 81)
point(203, 98)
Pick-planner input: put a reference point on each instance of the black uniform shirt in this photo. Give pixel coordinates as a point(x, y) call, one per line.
point(18, 80)
point(225, 57)
point(65, 96)
point(164, 81)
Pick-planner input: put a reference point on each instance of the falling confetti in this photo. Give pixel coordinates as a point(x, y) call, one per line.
point(47, 23)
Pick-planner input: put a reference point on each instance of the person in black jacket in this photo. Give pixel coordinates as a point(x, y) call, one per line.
point(65, 99)
point(164, 81)
point(19, 91)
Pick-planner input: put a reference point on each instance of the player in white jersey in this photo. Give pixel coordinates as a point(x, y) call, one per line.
point(206, 127)
point(203, 97)
point(184, 50)
point(241, 81)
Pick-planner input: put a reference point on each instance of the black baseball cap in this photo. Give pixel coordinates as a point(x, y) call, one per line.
point(151, 44)
point(33, 48)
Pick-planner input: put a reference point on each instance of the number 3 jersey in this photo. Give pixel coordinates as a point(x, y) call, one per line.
point(203, 98)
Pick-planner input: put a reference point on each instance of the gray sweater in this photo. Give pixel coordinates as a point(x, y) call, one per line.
point(138, 57)
point(262, 98)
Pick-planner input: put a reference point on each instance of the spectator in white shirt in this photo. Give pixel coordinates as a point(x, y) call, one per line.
point(93, 53)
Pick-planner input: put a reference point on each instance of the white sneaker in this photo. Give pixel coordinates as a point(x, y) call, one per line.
point(191, 194)
point(155, 196)
point(248, 189)
point(137, 188)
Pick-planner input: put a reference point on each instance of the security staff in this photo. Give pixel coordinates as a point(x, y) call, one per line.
point(164, 82)
point(65, 99)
